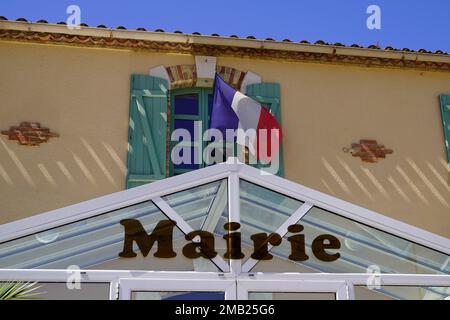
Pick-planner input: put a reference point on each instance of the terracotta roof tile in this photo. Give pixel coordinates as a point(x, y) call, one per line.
point(319, 42)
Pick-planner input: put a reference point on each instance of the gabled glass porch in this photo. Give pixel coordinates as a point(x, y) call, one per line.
point(394, 259)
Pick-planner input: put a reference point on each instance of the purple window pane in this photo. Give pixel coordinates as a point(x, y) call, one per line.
point(186, 104)
point(185, 124)
point(191, 162)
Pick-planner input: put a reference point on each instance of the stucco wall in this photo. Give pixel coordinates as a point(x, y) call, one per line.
point(83, 95)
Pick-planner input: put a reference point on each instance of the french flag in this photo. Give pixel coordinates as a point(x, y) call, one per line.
point(256, 127)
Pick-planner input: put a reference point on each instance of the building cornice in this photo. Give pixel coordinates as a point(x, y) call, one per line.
point(220, 46)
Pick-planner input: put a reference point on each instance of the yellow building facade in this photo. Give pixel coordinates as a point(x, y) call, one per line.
point(77, 83)
point(89, 188)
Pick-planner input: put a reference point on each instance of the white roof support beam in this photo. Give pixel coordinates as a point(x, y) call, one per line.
point(234, 212)
point(282, 230)
point(185, 228)
point(215, 212)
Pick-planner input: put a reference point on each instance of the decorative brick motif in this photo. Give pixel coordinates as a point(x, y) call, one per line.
point(232, 76)
point(185, 76)
point(182, 76)
point(29, 134)
point(368, 150)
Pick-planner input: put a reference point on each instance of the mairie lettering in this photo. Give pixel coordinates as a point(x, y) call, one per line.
point(202, 243)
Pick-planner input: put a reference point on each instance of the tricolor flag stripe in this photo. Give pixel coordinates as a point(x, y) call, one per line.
point(247, 110)
point(223, 117)
point(234, 110)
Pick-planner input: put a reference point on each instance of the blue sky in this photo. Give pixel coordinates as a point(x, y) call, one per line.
point(410, 24)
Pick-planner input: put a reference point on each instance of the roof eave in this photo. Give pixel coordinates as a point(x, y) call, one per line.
point(408, 58)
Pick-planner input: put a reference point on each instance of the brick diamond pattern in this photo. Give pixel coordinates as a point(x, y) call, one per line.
point(369, 151)
point(29, 134)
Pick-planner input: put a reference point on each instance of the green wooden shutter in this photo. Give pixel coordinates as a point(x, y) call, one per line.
point(147, 130)
point(268, 94)
point(445, 112)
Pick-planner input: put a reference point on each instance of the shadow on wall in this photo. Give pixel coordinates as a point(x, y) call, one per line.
point(63, 172)
point(405, 182)
point(58, 173)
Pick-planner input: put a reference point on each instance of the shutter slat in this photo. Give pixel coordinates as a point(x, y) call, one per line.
point(445, 112)
point(147, 130)
point(148, 136)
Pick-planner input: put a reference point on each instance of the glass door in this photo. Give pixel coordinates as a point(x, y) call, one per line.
point(224, 287)
point(177, 289)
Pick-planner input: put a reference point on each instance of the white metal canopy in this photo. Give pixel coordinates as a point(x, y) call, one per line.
point(88, 234)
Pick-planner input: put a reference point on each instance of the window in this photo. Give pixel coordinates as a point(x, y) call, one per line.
point(190, 110)
point(149, 141)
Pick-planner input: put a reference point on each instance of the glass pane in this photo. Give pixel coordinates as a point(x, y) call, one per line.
point(61, 291)
point(402, 293)
point(195, 204)
point(291, 296)
point(262, 211)
point(186, 157)
point(188, 125)
point(362, 248)
point(95, 243)
point(186, 104)
point(201, 207)
point(179, 295)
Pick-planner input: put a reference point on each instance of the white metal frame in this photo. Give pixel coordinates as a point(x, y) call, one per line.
point(282, 230)
point(192, 284)
point(234, 212)
point(186, 228)
point(294, 285)
point(234, 271)
point(235, 287)
point(141, 279)
point(233, 170)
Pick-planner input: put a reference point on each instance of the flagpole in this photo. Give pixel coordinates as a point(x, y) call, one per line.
point(245, 152)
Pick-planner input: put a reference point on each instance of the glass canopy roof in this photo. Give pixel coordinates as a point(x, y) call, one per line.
point(91, 236)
